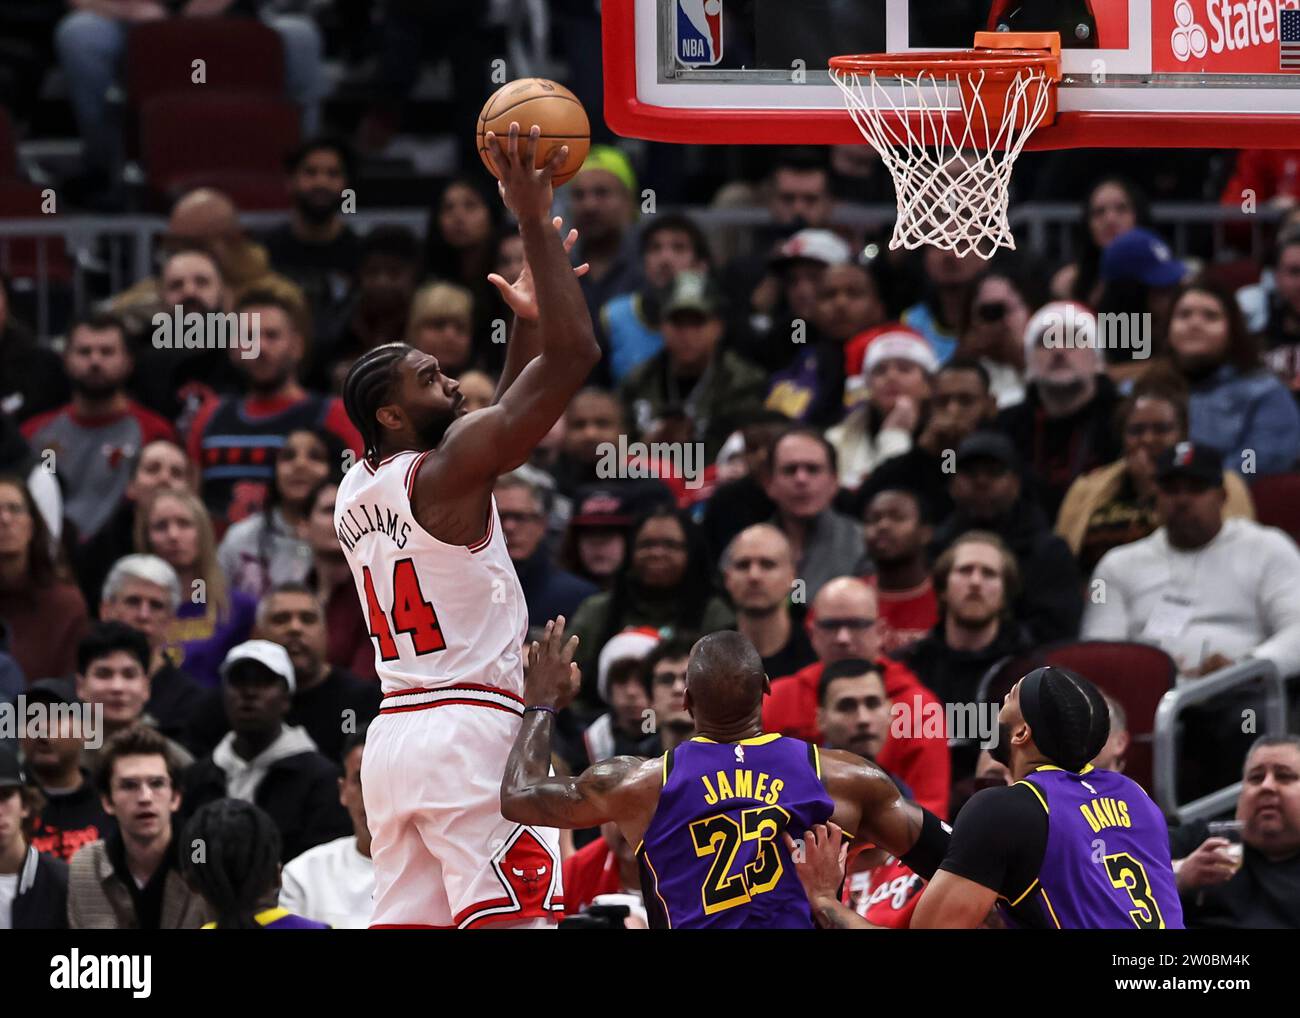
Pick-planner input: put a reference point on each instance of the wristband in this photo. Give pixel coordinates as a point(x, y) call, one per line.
point(931, 846)
point(549, 710)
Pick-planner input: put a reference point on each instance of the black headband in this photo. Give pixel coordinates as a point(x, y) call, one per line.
point(1033, 693)
point(1032, 711)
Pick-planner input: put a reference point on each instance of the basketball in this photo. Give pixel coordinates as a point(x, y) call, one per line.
point(550, 106)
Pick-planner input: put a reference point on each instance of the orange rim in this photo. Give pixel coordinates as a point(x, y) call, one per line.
point(1003, 64)
point(1000, 55)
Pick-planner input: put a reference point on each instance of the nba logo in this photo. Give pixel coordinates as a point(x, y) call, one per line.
point(699, 32)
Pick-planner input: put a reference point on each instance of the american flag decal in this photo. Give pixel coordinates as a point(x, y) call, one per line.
point(1288, 36)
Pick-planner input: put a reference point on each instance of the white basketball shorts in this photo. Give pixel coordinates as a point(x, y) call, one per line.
point(444, 856)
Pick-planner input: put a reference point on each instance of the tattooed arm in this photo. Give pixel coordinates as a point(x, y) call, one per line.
point(819, 862)
point(623, 789)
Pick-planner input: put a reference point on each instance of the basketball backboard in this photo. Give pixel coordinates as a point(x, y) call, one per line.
point(1135, 73)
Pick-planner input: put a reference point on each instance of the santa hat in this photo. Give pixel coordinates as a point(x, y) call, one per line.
point(630, 643)
point(856, 356)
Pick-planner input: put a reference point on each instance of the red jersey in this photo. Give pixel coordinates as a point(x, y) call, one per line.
point(905, 615)
point(924, 764)
point(885, 895)
point(590, 872)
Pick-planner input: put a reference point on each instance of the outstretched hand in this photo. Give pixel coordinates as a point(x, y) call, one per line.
point(819, 862)
point(521, 295)
point(551, 676)
point(527, 190)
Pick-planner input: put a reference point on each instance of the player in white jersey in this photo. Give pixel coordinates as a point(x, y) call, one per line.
point(420, 529)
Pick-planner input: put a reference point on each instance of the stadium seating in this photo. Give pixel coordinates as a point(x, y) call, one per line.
point(8, 152)
point(21, 257)
point(1135, 674)
point(1277, 502)
point(239, 56)
point(227, 140)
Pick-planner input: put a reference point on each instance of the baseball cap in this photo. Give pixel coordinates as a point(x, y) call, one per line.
point(53, 691)
point(602, 509)
point(987, 445)
point(815, 246)
point(635, 643)
point(272, 655)
point(12, 774)
point(1189, 459)
point(691, 291)
point(1140, 255)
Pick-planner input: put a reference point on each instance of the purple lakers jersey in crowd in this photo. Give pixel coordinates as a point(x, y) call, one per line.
point(713, 856)
point(280, 919)
point(1107, 862)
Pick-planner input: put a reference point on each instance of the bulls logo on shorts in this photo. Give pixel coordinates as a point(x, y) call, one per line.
point(529, 873)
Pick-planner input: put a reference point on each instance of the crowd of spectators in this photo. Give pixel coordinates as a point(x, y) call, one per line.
point(889, 471)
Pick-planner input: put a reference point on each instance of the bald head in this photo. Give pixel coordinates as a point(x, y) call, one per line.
point(758, 570)
point(843, 621)
point(203, 215)
point(725, 682)
point(761, 539)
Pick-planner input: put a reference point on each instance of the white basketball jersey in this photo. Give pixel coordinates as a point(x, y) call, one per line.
point(438, 614)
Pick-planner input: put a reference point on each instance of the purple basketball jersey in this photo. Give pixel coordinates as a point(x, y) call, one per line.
point(713, 856)
point(1107, 863)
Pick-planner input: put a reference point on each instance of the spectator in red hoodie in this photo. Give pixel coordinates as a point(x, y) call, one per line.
point(855, 714)
point(842, 625)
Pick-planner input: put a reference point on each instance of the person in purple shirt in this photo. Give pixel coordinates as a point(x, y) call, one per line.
point(1031, 848)
point(238, 875)
point(711, 818)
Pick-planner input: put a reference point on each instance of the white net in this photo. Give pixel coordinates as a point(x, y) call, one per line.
point(949, 151)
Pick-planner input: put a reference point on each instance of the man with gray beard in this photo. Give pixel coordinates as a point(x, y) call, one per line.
point(1065, 426)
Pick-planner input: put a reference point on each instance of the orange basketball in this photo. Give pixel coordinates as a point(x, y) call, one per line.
point(550, 106)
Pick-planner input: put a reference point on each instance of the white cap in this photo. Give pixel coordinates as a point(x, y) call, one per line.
point(903, 346)
point(734, 446)
point(818, 246)
point(1072, 326)
point(634, 643)
point(264, 652)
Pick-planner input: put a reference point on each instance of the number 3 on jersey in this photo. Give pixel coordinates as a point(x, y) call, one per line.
point(411, 614)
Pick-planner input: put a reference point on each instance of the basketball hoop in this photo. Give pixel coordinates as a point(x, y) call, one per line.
point(949, 126)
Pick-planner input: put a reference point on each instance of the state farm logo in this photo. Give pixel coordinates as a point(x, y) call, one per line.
point(1218, 36)
point(1189, 38)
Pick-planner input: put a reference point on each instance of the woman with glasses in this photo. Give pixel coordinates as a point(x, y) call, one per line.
point(664, 582)
point(1116, 504)
point(992, 329)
